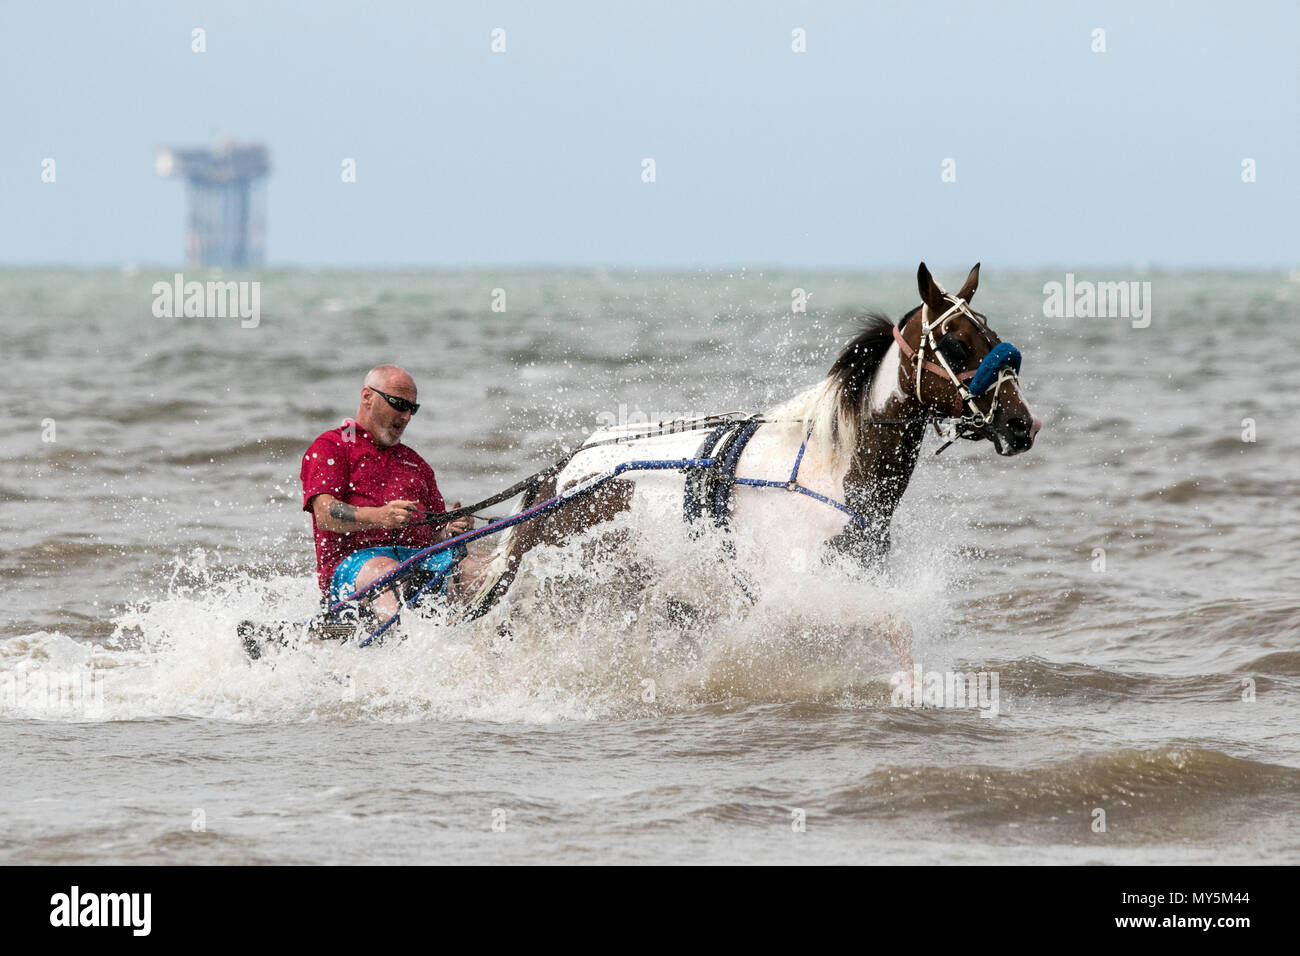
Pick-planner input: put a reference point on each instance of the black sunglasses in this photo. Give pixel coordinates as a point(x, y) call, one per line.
point(398, 404)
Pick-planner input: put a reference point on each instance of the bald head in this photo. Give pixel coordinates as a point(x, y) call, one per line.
point(387, 377)
point(385, 423)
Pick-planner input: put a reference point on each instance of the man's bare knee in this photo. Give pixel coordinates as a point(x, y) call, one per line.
point(373, 570)
point(383, 601)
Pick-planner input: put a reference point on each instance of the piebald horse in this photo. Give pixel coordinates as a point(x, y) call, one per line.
point(852, 442)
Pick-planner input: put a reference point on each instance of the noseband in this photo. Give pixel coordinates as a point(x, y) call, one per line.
point(999, 366)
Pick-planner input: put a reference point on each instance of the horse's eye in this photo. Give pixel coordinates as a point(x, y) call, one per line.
point(953, 349)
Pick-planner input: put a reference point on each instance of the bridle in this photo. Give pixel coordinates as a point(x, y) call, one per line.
point(998, 367)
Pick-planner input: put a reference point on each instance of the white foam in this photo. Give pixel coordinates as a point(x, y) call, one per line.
point(593, 636)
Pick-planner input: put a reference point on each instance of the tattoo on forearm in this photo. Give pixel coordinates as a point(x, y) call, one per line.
point(342, 512)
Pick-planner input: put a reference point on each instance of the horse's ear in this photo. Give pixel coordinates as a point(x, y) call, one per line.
point(930, 293)
point(972, 283)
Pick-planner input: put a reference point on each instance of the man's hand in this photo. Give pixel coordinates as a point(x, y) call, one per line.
point(458, 526)
point(395, 514)
point(341, 518)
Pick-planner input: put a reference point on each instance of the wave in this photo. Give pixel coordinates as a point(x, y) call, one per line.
point(1278, 664)
point(1207, 487)
point(1155, 786)
point(1033, 678)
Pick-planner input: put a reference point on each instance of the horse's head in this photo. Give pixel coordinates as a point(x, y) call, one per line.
point(955, 366)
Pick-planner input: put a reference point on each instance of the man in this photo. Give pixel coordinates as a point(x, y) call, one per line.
point(368, 495)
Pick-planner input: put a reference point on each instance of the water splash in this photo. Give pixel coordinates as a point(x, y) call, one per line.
point(606, 627)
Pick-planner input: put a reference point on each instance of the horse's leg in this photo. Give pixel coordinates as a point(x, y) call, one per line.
point(602, 504)
point(867, 546)
point(870, 547)
point(898, 634)
point(468, 574)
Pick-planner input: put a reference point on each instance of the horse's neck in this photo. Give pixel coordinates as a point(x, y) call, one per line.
point(886, 457)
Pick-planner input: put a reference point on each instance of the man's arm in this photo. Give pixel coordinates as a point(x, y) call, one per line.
point(342, 518)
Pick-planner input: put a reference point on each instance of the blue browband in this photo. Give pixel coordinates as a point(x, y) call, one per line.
point(1003, 354)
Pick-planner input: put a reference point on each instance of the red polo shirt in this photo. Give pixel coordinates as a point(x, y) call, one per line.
point(346, 463)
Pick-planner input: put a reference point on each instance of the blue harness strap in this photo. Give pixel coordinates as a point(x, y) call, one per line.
point(715, 476)
point(793, 485)
point(798, 459)
point(726, 474)
point(708, 483)
point(697, 479)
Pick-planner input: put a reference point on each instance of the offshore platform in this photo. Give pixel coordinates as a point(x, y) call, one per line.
point(226, 224)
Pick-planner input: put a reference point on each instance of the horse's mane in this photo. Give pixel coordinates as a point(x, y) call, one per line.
point(832, 408)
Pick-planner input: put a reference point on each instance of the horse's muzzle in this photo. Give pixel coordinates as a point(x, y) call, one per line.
point(1017, 434)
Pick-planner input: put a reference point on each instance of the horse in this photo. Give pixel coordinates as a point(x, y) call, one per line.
point(848, 445)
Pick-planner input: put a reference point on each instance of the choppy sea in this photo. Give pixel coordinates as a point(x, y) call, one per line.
point(1131, 583)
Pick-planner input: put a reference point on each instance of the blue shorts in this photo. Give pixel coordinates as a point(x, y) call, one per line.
point(344, 581)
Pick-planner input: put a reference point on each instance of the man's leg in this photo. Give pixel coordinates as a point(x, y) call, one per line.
point(384, 604)
point(462, 584)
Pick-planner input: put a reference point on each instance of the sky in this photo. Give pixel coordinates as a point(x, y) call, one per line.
point(833, 158)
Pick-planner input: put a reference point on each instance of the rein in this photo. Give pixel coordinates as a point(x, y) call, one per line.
point(673, 427)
